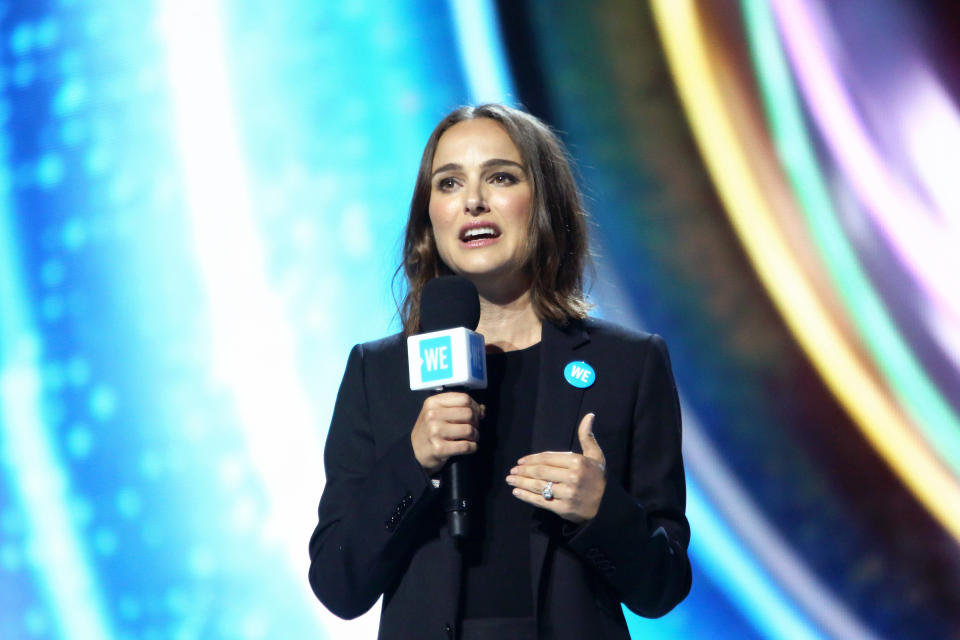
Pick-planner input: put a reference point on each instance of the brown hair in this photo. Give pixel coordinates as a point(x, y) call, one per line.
point(559, 248)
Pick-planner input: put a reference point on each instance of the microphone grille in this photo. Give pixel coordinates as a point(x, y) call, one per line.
point(447, 302)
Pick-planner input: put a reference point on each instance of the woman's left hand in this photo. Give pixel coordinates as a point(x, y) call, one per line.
point(578, 480)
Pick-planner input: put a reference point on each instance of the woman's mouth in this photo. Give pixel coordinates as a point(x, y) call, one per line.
point(479, 234)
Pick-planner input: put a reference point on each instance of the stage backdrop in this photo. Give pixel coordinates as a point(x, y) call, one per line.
point(201, 208)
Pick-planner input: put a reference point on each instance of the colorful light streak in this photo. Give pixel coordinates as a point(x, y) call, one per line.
point(928, 122)
point(872, 410)
point(931, 413)
point(745, 113)
point(927, 249)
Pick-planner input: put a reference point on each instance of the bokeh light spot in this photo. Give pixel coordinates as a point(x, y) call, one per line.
point(70, 97)
point(79, 441)
point(151, 464)
point(52, 272)
point(78, 371)
point(105, 541)
point(129, 504)
point(21, 39)
point(103, 403)
point(51, 308)
point(47, 33)
point(49, 171)
point(74, 234)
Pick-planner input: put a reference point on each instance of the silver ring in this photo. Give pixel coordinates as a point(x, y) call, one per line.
point(547, 492)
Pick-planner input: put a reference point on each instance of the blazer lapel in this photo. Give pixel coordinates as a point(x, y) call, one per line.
point(556, 417)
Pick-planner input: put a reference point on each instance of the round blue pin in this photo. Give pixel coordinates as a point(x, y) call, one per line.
point(579, 374)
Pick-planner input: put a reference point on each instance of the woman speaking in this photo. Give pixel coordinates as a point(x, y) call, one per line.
point(574, 445)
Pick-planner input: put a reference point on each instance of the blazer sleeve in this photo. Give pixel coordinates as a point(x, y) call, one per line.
point(370, 506)
point(638, 539)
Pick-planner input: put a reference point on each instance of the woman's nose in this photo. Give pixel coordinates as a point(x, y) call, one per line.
point(476, 203)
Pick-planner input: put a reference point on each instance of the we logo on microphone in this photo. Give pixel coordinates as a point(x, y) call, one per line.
point(436, 359)
point(449, 358)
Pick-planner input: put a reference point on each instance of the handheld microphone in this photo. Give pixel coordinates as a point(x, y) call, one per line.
point(449, 355)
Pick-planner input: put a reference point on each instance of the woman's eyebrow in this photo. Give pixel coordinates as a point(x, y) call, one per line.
point(492, 162)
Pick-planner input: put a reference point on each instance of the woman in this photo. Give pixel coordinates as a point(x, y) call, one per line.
point(575, 443)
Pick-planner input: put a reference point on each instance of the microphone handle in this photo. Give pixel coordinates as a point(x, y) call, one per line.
point(456, 497)
point(456, 490)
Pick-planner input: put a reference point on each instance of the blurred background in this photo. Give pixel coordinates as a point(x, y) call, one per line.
point(201, 205)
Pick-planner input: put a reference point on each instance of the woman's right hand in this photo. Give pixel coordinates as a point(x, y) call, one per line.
point(447, 426)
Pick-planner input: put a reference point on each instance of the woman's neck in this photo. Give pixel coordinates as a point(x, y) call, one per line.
point(509, 325)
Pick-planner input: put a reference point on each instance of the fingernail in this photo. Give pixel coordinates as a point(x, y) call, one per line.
point(515, 470)
point(511, 480)
point(520, 461)
point(516, 492)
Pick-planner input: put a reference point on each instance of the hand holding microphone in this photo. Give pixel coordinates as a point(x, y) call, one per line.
point(448, 358)
point(447, 426)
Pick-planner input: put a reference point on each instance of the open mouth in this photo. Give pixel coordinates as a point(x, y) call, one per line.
point(475, 233)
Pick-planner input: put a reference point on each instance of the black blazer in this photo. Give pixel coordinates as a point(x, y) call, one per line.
point(381, 530)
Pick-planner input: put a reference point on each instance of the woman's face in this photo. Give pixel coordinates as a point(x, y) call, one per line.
point(480, 202)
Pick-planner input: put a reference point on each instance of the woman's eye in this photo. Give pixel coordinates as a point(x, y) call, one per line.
point(445, 184)
point(503, 178)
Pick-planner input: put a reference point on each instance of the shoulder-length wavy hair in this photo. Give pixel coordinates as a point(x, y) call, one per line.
point(559, 246)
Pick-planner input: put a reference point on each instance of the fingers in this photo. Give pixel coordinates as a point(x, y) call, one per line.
point(567, 479)
point(447, 426)
point(453, 407)
point(461, 415)
point(561, 490)
point(445, 449)
point(455, 399)
point(543, 473)
point(550, 459)
point(559, 505)
point(457, 431)
point(588, 442)
point(441, 430)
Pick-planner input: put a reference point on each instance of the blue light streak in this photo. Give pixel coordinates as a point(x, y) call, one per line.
point(721, 554)
point(36, 475)
point(253, 345)
point(482, 55)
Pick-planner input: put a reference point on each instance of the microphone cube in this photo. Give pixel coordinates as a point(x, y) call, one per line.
point(449, 358)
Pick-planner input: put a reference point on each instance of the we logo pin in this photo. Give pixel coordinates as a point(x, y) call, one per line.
point(579, 374)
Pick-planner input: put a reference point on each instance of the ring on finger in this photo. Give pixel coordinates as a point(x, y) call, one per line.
point(547, 491)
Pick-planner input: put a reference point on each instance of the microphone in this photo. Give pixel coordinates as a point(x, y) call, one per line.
point(449, 355)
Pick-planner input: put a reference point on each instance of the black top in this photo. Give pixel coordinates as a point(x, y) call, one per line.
point(496, 579)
